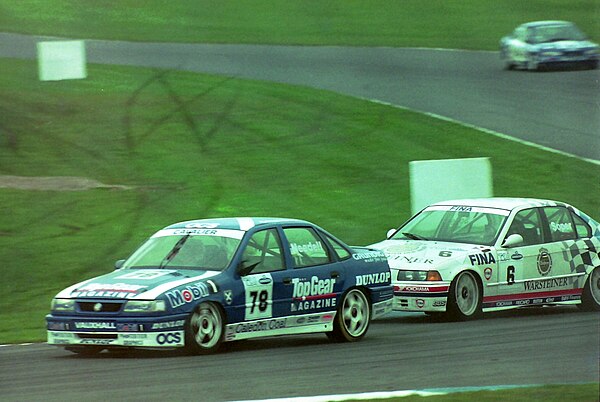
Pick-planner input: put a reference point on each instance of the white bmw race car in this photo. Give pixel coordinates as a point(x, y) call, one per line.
point(540, 44)
point(465, 257)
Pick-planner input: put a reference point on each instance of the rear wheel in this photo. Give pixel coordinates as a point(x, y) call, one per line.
point(204, 332)
point(353, 317)
point(465, 297)
point(590, 298)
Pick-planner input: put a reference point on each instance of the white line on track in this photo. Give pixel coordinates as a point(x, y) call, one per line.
point(395, 394)
point(485, 130)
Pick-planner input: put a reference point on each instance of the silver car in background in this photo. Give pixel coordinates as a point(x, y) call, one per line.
point(545, 44)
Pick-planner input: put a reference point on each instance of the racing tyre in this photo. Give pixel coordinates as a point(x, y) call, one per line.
point(590, 298)
point(353, 317)
point(205, 329)
point(465, 297)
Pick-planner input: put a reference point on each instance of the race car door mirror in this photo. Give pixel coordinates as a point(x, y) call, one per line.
point(513, 240)
point(390, 233)
point(119, 264)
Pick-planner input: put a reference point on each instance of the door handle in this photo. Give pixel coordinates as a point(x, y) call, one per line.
point(287, 281)
point(335, 274)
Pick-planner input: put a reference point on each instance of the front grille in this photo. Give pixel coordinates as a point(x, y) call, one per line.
point(87, 335)
point(100, 307)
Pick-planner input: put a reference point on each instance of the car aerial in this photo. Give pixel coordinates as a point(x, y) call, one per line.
point(541, 44)
point(199, 283)
point(464, 257)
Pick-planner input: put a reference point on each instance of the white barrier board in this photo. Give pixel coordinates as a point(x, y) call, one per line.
point(438, 180)
point(61, 60)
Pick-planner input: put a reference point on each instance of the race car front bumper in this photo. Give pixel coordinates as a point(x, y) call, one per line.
point(421, 296)
point(151, 332)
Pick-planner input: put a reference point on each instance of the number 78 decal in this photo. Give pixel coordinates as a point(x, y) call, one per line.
point(258, 296)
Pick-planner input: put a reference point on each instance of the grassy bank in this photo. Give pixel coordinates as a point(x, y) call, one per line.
point(469, 24)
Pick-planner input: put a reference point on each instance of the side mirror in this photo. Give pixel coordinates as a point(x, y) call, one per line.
point(390, 233)
point(512, 241)
point(119, 264)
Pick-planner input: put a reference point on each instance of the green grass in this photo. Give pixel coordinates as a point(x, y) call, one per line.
point(547, 393)
point(468, 24)
point(196, 146)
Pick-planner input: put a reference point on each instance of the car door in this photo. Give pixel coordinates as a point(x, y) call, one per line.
point(525, 263)
point(316, 279)
point(266, 294)
point(562, 235)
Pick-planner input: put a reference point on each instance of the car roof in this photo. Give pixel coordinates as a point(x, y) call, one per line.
point(534, 24)
point(235, 223)
point(506, 203)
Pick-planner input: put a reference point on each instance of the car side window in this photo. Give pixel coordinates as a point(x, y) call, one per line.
point(560, 223)
point(306, 247)
point(339, 250)
point(264, 252)
point(527, 224)
point(581, 227)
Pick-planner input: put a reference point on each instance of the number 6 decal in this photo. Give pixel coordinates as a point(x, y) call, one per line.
point(510, 275)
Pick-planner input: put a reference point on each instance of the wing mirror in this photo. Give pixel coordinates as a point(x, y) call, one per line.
point(390, 233)
point(119, 264)
point(512, 241)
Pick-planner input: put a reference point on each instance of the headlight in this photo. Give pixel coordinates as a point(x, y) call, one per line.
point(144, 306)
point(62, 305)
point(592, 51)
point(418, 276)
point(550, 53)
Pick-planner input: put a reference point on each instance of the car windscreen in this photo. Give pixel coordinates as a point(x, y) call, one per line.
point(458, 224)
point(554, 33)
point(187, 249)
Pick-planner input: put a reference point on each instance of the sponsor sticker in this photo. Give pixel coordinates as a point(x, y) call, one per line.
point(544, 262)
point(373, 279)
point(482, 259)
point(487, 273)
point(193, 292)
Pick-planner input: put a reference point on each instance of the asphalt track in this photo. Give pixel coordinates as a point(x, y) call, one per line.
point(403, 351)
point(560, 110)
point(556, 109)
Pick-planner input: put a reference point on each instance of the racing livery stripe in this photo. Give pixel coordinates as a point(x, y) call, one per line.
point(154, 293)
point(66, 293)
point(518, 296)
point(411, 294)
point(419, 289)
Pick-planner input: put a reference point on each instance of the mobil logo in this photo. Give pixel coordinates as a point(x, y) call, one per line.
point(190, 293)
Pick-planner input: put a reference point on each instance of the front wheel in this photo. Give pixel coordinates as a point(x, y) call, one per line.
point(353, 317)
point(590, 298)
point(204, 332)
point(465, 297)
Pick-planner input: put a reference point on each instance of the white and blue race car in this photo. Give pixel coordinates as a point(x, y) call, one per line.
point(199, 283)
point(541, 44)
point(465, 257)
